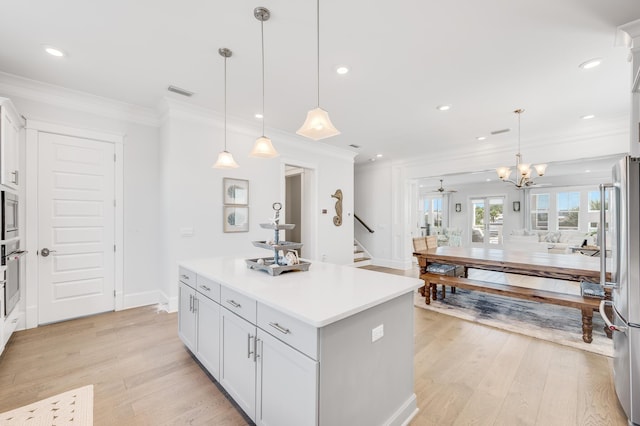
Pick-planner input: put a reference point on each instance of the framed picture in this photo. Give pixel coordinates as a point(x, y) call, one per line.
point(235, 191)
point(235, 219)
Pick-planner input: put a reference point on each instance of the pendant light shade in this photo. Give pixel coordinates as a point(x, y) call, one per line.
point(263, 148)
point(225, 159)
point(318, 124)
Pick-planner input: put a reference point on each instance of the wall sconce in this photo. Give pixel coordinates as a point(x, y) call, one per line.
point(516, 206)
point(458, 207)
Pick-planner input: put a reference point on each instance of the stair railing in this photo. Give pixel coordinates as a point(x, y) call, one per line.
point(363, 224)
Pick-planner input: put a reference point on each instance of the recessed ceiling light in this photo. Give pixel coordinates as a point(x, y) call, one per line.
point(379, 155)
point(342, 70)
point(587, 171)
point(443, 107)
point(421, 186)
point(588, 117)
point(488, 179)
point(53, 51)
point(481, 138)
point(372, 159)
point(259, 115)
point(591, 63)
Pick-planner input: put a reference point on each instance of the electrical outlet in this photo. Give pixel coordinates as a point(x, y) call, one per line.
point(377, 333)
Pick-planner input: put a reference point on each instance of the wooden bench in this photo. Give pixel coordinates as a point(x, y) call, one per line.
point(586, 304)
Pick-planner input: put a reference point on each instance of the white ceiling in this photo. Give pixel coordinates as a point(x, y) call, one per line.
point(485, 58)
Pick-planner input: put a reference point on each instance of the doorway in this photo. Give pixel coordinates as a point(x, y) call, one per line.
point(299, 188)
point(487, 218)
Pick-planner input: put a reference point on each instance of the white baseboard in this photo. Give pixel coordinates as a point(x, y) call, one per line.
point(168, 304)
point(395, 264)
point(143, 298)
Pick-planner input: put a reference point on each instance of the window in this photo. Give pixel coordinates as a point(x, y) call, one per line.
point(568, 210)
point(540, 212)
point(431, 213)
point(594, 201)
point(437, 212)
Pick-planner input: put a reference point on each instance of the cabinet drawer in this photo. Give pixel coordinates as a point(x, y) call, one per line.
point(188, 277)
point(239, 304)
point(293, 332)
point(208, 288)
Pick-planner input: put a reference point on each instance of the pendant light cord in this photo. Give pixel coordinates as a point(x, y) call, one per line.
point(318, 45)
point(225, 104)
point(262, 36)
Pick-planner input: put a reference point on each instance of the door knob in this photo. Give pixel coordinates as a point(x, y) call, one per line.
point(45, 252)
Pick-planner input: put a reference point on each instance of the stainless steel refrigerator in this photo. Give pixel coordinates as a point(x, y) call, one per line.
point(624, 234)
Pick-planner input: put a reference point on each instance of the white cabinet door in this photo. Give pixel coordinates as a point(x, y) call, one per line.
point(208, 334)
point(237, 361)
point(187, 316)
point(287, 385)
point(10, 138)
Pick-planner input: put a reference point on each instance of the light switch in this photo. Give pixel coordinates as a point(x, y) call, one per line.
point(377, 333)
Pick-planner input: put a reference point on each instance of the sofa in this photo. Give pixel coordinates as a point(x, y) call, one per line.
point(546, 241)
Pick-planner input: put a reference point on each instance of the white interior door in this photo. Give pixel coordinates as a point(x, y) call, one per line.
point(76, 223)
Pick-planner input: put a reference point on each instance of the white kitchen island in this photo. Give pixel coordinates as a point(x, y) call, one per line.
point(329, 346)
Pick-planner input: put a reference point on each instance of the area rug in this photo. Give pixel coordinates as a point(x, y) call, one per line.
point(74, 407)
point(543, 321)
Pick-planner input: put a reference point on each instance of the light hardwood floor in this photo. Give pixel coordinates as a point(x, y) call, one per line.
point(464, 374)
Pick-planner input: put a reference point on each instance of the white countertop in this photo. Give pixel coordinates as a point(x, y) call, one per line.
point(324, 294)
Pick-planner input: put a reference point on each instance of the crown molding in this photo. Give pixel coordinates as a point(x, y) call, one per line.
point(615, 128)
point(20, 87)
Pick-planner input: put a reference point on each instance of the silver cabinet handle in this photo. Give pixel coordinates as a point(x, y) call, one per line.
point(15, 177)
point(234, 303)
point(186, 277)
point(249, 351)
point(190, 303)
point(280, 328)
point(196, 304)
point(205, 287)
point(255, 349)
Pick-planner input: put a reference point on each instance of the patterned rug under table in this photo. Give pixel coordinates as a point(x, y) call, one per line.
point(74, 407)
point(543, 321)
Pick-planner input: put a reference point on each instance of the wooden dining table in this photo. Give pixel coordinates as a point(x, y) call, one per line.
point(570, 267)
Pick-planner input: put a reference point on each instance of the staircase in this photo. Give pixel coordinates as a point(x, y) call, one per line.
point(360, 256)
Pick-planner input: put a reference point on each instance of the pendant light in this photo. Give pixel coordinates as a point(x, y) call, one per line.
point(225, 159)
point(263, 147)
point(317, 124)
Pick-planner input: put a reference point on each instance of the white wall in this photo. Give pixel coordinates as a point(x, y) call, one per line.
point(373, 185)
point(192, 190)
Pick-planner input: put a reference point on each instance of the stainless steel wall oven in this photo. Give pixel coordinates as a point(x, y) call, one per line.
point(10, 254)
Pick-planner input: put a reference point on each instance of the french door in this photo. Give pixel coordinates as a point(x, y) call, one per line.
point(486, 221)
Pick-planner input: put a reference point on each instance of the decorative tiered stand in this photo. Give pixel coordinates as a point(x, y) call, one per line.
point(277, 264)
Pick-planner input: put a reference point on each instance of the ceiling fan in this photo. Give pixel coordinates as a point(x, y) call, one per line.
point(442, 190)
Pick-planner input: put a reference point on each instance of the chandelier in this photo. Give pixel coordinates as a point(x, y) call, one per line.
point(523, 170)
